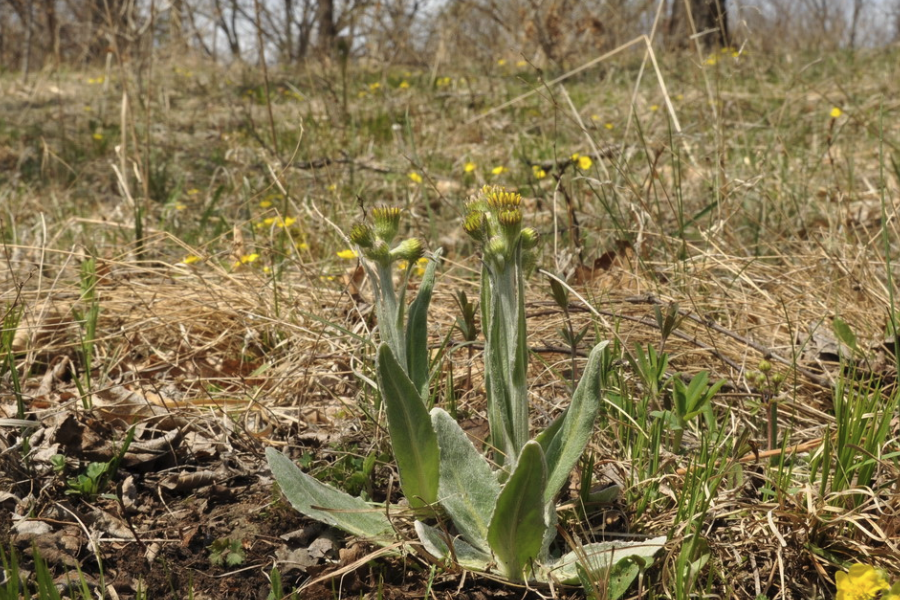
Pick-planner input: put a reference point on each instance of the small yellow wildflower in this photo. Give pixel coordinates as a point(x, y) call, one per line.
point(501, 62)
point(539, 172)
point(347, 254)
point(443, 81)
point(97, 136)
point(302, 246)
point(469, 167)
point(595, 117)
point(96, 80)
point(88, 109)
point(585, 162)
point(679, 97)
point(415, 177)
point(191, 259)
point(712, 60)
point(836, 112)
point(499, 169)
point(267, 270)
point(654, 107)
point(609, 125)
point(374, 86)
point(362, 94)
point(420, 266)
point(404, 85)
point(861, 582)
point(180, 206)
point(286, 222)
point(193, 192)
point(265, 204)
point(401, 265)
point(332, 187)
point(521, 63)
point(246, 259)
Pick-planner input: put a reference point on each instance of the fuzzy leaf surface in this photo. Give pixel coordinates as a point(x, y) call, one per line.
point(468, 489)
point(519, 522)
point(412, 436)
point(417, 329)
point(434, 541)
point(598, 558)
point(564, 441)
point(346, 512)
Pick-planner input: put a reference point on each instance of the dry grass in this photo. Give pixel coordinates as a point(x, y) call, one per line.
point(763, 219)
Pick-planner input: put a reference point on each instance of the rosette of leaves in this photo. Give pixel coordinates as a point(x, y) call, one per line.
point(505, 518)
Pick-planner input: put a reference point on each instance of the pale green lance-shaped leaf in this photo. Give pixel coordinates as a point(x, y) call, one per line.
point(434, 541)
point(598, 558)
point(615, 584)
point(417, 329)
point(565, 439)
point(412, 436)
point(518, 524)
point(326, 504)
point(468, 489)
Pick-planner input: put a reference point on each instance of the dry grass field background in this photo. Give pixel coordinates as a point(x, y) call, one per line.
point(174, 265)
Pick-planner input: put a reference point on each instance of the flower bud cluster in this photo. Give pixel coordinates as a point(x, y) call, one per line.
point(375, 240)
point(494, 220)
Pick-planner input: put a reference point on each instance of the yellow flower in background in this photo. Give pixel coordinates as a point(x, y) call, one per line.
point(265, 204)
point(469, 167)
point(585, 163)
point(712, 60)
point(522, 63)
point(595, 117)
point(347, 254)
point(180, 206)
point(501, 62)
point(609, 125)
point(443, 81)
point(98, 136)
point(415, 177)
point(267, 270)
point(96, 80)
point(420, 266)
point(332, 187)
point(191, 259)
point(362, 94)
point(374, 86)
point(246, 259)
point(193, 192)
point(285, 222)
point(679, 97)
point(302, 246)
point(538, 171)
point(654, 107)
point(403, 84)
point(836, 112)
point(499, 169)
point(861, 582)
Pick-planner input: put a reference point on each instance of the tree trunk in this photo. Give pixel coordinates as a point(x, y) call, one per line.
point(706, 15)
point(327, 29)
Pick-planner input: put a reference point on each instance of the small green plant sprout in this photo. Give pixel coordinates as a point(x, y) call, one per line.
point(651, 367)
point(561, 297)
point(97, 476)
point(504, 518)
point(688, 402)
point(227, 552)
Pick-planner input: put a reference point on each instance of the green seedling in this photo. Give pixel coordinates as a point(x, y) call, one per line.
point(504, 517)
point(688, 402)
point(651, 366)
point(97, 476)
point(227, 552)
